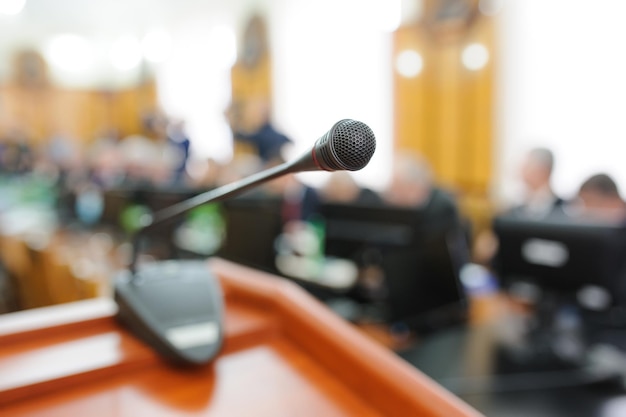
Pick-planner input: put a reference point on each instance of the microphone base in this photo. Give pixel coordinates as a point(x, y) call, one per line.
point(175, 307)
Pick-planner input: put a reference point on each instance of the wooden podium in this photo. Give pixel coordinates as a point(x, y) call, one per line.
point(285, 354)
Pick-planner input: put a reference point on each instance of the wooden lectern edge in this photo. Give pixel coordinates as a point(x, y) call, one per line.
point(23, 324)
point(302, 316)
point(58, 324)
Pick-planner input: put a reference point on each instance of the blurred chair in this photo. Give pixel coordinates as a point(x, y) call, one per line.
point(22, 263)
point(57, 273)
point(8, 292)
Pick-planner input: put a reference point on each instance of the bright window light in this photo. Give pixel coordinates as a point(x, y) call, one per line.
point(157, 46)
point(11, 7)
point(333, 74)
point(223, 44)
point(125, 53)
point(386, 14)
point(199, 93)
point(562, 89)
point(70, 53)
point(409, 63)
point(475, 56)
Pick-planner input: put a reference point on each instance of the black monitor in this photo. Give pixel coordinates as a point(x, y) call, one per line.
point(406, 265)
point(561, 255)
point(159, 198)
point(252, 224)
point(115, 201)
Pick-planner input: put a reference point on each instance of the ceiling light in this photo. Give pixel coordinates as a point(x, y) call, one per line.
point(70, 53)
point(409, 63)
point(157, 46)
point(475, 56)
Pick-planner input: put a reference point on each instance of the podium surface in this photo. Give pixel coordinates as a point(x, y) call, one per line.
point(284, 354)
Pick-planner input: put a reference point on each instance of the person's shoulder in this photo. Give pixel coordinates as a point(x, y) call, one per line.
point(442, 197)
point(369, 197)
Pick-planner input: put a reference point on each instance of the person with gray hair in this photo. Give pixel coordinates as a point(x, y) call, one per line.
point(411, 182)
point(412, 186)
point(536, 174)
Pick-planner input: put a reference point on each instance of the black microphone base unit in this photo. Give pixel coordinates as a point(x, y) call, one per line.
point(175, 307)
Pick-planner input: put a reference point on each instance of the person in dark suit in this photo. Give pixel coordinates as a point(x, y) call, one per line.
point(437, 252)
point(258, 131)
point(412, 186)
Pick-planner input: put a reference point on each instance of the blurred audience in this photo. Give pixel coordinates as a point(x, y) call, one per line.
point(107, 162)
point(239, 167)
point(160, 157)
point(16, 154)
point(203, 174)
point(140, 157)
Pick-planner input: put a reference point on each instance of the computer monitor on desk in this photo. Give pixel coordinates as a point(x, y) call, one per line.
point(407, 267)
point(569, 270)
point(573, 258)
point(569, 261)
point(408, 271)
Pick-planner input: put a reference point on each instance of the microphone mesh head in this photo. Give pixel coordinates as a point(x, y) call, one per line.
point(352, 144)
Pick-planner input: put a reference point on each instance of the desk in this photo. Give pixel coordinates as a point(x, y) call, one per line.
point(284, 355)
point(459, 358)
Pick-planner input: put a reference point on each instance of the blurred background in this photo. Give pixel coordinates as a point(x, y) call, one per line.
point(481, 108)
point(470, 87)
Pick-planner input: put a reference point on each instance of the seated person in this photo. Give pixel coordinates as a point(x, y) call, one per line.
point(536, 174)
point(599, 198)
point(341, 188)
point(539, 200)
point(258, 131)
point(412, 186)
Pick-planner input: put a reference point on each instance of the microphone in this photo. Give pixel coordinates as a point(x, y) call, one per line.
point(348, 145)
point(189, 330)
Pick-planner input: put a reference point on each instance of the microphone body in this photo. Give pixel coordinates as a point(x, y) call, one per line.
point(348, 145)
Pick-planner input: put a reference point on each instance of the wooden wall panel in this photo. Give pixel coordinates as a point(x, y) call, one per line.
point(82, 114)
point(482, 83)
point(411, 96)
point(128, 106)
point(445, 112)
